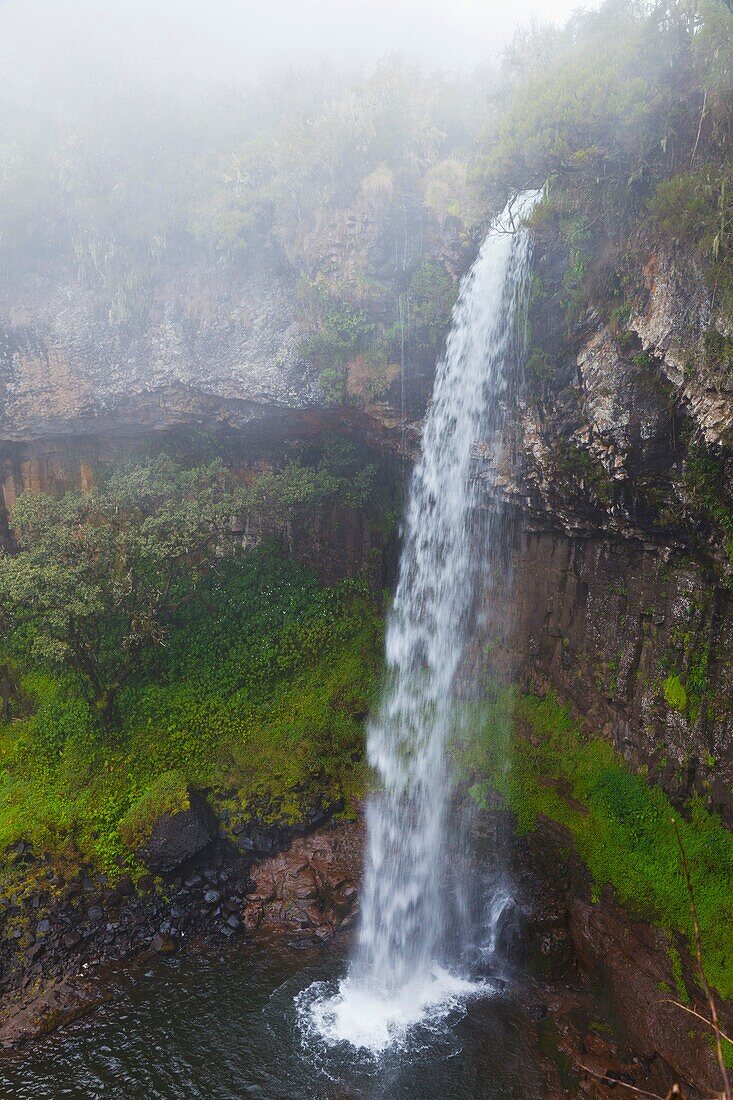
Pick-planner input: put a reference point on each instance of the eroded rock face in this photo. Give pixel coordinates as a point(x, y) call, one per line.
point(313, 887)
point(674, 314)
point(213, 347)
point(606, 624)
point(626, 959)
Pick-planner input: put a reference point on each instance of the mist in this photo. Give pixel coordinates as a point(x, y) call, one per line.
point(192, 41)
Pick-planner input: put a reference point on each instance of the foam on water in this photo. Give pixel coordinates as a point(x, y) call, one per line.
point(372, 1021)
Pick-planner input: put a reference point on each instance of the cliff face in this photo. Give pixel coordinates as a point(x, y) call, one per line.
point(619, 471)
point(209, 348)
point(207, 340)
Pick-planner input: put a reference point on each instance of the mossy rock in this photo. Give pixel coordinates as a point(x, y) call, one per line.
point(169, 824)
point(675, 695)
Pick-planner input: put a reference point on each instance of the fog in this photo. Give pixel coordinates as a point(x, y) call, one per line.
point(190, 41)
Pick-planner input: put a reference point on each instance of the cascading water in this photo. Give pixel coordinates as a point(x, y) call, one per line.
point(404, 969)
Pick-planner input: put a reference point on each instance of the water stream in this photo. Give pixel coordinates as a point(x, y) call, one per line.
point(408, 964)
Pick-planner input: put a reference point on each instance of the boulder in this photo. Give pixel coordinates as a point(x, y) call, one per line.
point(163, 944)
point(176, 838)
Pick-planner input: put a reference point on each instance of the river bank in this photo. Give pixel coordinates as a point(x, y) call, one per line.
point(72, 928)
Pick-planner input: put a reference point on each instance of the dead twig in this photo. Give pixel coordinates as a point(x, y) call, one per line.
point(675, 1093)
point(701, 969)
point(699, 128)
point(692, 1012)
point(612, 1081)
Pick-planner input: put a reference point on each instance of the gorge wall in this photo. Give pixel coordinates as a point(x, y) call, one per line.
point(618, 472)
point(617, 468)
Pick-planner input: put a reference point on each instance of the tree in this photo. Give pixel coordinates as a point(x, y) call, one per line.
point(99, 575)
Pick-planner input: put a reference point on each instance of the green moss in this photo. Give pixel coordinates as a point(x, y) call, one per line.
point(621, 825)
point(548, 1043)
point(167, 794)
point(675, 962)
point(674, 692)
point(707, 482)
point(727, 1046)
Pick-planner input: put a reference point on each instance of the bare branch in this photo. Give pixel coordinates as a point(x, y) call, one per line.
point(703, 979)
point(613, 1081)
point(692, 1012)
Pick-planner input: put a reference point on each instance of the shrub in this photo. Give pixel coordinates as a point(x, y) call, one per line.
point(261, 689)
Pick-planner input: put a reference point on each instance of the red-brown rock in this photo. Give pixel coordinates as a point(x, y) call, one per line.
point(311, 888)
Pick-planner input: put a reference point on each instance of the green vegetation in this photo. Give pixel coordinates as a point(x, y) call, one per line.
point(143, 652)
point(432, 294)
point(675, 963)
point(686, 686)
point(99, 572)
point(260, 690)
point(578, 468)
point(675, 695)
point(707, 483)
point(614, 98)
point(626, 110)
point(358, 358)
point(696, 208)
point(621, 825)
point(168, 794)
point(341, 333)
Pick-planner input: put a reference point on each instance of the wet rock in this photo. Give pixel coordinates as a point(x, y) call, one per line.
point(163, 944)
point(211, 897)
point(312, 886)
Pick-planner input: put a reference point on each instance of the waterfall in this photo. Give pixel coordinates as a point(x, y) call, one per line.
point(404, 965)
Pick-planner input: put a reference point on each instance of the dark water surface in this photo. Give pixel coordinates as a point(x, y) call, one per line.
point(223, 1027)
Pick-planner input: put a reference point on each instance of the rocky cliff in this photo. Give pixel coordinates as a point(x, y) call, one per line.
point(618, 471)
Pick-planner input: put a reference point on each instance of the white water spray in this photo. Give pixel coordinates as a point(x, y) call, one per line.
point(403, 972)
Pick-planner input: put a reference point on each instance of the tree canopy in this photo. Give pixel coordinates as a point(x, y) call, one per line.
point(99, 573)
